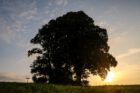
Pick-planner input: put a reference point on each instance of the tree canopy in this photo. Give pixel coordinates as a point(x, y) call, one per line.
point(72, 47)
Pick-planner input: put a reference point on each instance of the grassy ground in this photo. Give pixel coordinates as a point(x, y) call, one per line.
point(47, 88)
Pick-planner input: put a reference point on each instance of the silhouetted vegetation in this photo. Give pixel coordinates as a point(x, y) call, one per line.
point(49, 88)
point(72, 47)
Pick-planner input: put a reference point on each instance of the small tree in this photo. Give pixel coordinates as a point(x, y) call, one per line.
point(72, 48)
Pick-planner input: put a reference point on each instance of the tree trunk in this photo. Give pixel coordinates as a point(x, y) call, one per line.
point(78, 79)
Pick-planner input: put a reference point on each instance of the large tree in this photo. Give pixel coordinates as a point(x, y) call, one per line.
point(72, 47)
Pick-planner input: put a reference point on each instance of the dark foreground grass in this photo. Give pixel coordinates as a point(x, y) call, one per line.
point(49, 88)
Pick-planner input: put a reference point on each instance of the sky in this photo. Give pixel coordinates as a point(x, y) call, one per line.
point(21, 19)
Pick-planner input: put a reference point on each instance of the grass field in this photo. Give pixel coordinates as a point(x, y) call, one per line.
point(49, 88)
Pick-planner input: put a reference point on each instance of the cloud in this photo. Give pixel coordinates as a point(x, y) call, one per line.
point(29, 14)
point(61, 2)
point(14, 17)
point(130, 52)
point(12, 77)
point(7, 35)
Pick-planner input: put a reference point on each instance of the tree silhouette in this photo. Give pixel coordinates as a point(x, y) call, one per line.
point(72, 47)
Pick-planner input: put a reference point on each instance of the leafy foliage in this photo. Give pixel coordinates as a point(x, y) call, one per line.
point(72, 48)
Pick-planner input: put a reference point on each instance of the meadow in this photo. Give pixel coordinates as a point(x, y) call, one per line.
point(50, 88)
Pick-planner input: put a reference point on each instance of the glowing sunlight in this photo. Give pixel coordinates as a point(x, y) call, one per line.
point(109, 77)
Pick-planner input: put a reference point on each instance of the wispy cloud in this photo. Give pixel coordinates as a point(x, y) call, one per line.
point(7, 35)
point(61, 2)
point(12, 77)
point(29, 14)
point(14, 17)
point(129, 52)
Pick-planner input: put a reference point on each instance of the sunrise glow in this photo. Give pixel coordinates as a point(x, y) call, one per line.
point(109, 77)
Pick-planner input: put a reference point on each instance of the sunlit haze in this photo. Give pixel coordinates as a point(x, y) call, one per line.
point(109, 77)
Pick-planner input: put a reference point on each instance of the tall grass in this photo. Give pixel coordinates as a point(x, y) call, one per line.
point(49, 88)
